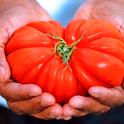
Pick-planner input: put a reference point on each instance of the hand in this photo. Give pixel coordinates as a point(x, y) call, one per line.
point(22, 99)
point(109, 10)
point(102, 99)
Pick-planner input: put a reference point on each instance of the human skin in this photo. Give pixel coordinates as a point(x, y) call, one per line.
point(29, 98)
point(102, 99)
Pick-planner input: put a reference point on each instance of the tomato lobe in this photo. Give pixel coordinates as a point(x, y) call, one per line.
point(67, 62)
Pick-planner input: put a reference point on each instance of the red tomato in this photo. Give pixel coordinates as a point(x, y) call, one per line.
point(67, 62)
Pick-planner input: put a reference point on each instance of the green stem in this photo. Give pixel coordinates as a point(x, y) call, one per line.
point(63, 50)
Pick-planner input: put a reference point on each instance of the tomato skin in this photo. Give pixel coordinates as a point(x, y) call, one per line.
point(24, 65)
point(57, 75)
point(98, 59)
point(102, 68)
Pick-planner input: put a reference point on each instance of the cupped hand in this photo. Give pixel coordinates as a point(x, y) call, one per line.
point(28, 98)
point(108, 10)
point(101, 99)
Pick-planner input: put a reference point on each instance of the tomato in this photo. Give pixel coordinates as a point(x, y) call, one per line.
point(67, 61)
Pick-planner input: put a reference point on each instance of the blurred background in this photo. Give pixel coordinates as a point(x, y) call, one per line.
point(61, 10)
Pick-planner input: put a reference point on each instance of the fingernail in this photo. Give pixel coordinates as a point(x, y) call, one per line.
point(47, 100)
point(67, 118)
point(68, 111)
point(94, 92)
point(35, 91)
point(59, 117)
point(76, 102)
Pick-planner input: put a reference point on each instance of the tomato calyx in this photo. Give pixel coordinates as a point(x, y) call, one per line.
point(62, 49)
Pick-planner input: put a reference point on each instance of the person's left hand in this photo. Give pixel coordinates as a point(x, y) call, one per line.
point(101, 99)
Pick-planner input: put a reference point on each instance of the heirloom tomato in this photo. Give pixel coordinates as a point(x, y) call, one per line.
point(67, 61)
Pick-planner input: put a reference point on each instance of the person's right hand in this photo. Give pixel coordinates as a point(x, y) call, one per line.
point(22, 99)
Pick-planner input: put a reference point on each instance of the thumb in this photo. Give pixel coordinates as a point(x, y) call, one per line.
point(4, 68)
point(6, 31)
point(84, 11)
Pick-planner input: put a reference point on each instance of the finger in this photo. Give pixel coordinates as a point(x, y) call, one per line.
point(49, 113)
point(14, 91)
point(111, 96)
point(32, 106)
point(4, 68)
point(105, 10)
point(84, 11)
point(42, 13)
point(87, 104)
point(69, 112)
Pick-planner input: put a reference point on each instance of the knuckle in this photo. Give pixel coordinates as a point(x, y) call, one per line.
point(15, 109)
point(4, 35)
point(105, 109)
point(4, 68)
point(4, 92)
point(102, 111)
point(6, 31)
point(118, 97)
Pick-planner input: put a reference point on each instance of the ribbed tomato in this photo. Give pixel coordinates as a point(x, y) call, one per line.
point(67, 61)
